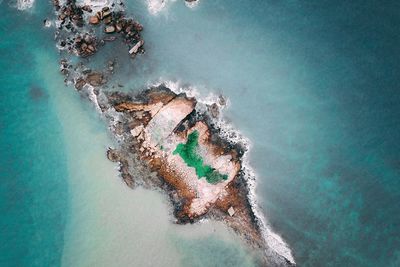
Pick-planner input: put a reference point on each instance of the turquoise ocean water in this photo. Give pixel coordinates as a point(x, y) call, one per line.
point(313, 84)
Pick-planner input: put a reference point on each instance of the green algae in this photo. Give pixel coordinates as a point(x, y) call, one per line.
point(188, 153)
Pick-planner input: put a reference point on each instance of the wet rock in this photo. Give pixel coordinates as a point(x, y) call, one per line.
point(214, 110)
point(64, 71)
point(91, 49)
point(88, 39)
point(79, 84)
point(110, 65)
point(221, 100)
point(94, 20)
point(99, 15)
point(86, 71)
point(136, 47)
point(109, 29)
point(118, 27)
point(47, 23)
point(108, 20)
point(113, 155)
point(138, 27)
point(106, 14)
point(87, 8)
point(95, 79)
point(110, 38)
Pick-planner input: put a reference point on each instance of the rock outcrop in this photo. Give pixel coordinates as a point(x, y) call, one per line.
point(157, 128)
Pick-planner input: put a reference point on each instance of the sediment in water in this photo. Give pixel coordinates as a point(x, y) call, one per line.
point(144, 158)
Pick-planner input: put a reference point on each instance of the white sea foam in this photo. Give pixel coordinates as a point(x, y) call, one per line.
point(25, 4)
point(93, 97)
point(192, 4)
point(273, 240)
point(155, 7)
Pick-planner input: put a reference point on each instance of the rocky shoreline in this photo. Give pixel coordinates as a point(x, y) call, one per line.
point(130, 117)
point(82, 29)
point(165, 141)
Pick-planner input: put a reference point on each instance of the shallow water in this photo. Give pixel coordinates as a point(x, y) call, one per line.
point(312, 85)
point(110, 224)
point(63, 202)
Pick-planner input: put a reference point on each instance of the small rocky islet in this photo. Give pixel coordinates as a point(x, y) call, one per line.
point(164, 140)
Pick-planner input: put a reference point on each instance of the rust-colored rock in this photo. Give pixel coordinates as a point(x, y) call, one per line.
point(94, 20)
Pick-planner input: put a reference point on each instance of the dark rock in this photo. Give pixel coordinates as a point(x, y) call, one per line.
point(221, 100)
point(138, 27)
point(109, 29)
point(87, 8)
point(118, 27)
point(108, 20)
point(94, 20)
point(214, 110)
point(95, 79)
point(113, 155)
point(79, 83)
point(64, 71)
point(86, 71)
point(110, 38)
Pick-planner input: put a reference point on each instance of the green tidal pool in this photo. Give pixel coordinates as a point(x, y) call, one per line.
point(188, 153)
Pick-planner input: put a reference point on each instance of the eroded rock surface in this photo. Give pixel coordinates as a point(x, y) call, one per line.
point(153, 126)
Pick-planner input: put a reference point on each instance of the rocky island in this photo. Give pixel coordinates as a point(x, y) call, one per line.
point(166, 140)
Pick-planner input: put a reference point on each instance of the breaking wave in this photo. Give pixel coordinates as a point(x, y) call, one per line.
point(155, 6)
point(24, 4)
point(273, 240)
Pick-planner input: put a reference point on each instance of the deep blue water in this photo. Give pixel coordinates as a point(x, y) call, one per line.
point(313, 84)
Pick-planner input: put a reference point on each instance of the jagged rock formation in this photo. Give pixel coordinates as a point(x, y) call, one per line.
point(152, 126)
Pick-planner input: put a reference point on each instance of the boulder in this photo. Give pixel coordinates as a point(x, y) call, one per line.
point(95, 79)
point(136, 47)
point(105, 14)
point(118, 27)
point(138, 27)
point(47, 23)
point(108, 20)
point(79, 84)
point(87, 8)
point(109, 29)
point(94, 20)
point(112, 155)
point(221, 100)
point(110, 38)
point(214, 110)
point(91, 49)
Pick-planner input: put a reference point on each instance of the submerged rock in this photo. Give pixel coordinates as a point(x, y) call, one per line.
point(109, 29)
point(80, 82)
point(113, 155)
point(95, 79)
point(214, 110)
